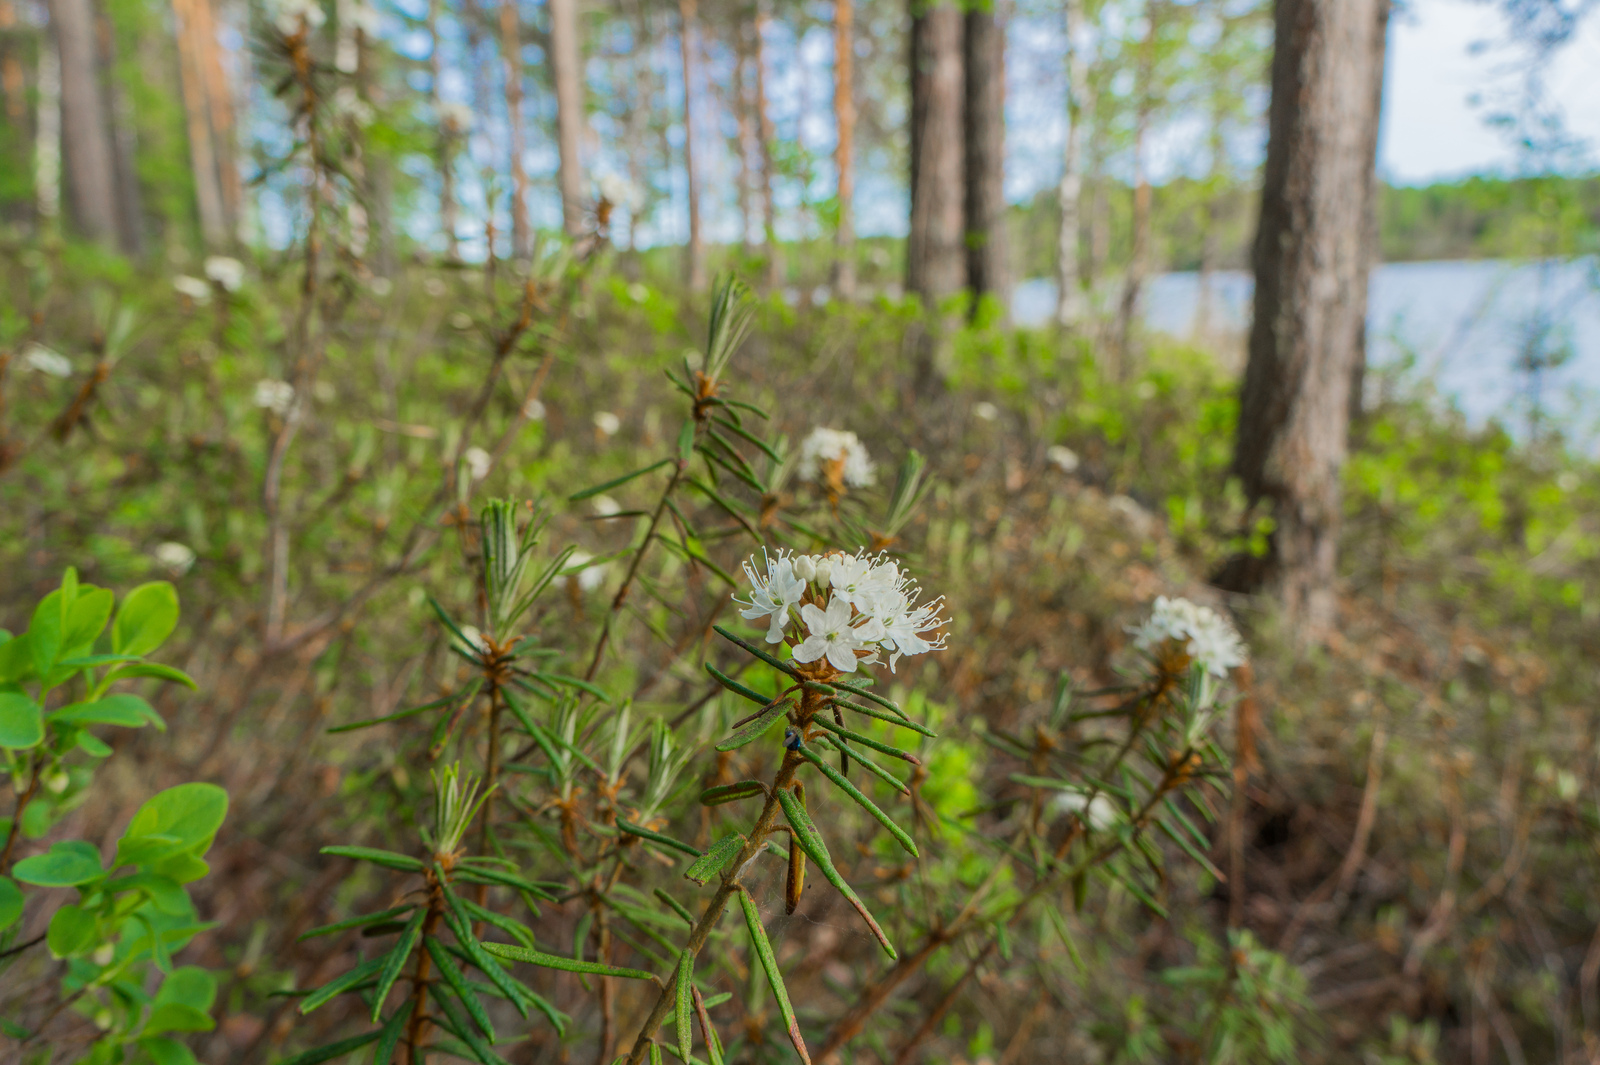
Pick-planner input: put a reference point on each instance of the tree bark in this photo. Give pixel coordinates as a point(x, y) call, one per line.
point(743, 132)
point(844, 119)
point(767, 132)
point(1311, 293)
point(696, 250)
point(448, 133)
point(85, 127)
point(114, 104)
point(13, 82)
point(511, 60)
point(987, 248)
point(935, 256)
point(566, 64)
point(1139, 250)
point(197, 116)
point(1217, 148)
point(1069, 196)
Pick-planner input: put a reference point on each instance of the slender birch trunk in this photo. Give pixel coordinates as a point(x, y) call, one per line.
point(448, 133)
point(1070, 302)
point(511, 61)
point(844, 118)
point(695, 251)
point(566, 62)
point(764, 125)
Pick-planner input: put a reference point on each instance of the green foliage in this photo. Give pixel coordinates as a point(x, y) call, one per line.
point(129, 918)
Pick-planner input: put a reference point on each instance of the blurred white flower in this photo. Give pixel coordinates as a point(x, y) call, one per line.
point(1102, 812)
point(289, 15)
point(638, 292)
point(347, 103)
point(1208, 638)
point(533, 410)
point(605, 506)
point(826, 447)
point(607, 423)
point(45, 361)
point(461, 320)
point(276, 396)
point(589, 578)
point(475, 642)
point(455, 118)
point(1568, 481)
point(1062, 458)
point(225, 271)
point(478, 462)
point(380, 286)
point(175, 557)
point(360, 16)
point(192, 287)
point(434, 287)
point(621, 192)
point(986, 411)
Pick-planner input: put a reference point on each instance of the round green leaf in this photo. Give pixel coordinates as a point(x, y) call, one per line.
point(86, 617)
point(179, 820)
point(66, 864)
point(73, 931)
point(164, 1051)
point(10, 903)
point(129, 711)
point(176, 1017)
point(21, 722)
point(149, 614)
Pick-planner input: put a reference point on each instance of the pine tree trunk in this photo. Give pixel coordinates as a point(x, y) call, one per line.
point(114, 104)
point(1213, 220)
point(935, 256)
point(844, 120)
point(13, 82)
point(985, 149)
point(47, 138)
point(741, 114)
point(197, 116)
point(85, 127)
point(696, 251)
point(566, 63)
point(1311, 263)
point(1139, 250)
point(448, 133)
point(219, 109)
point(511, 60)
point(769, 207)
point(1069, 196)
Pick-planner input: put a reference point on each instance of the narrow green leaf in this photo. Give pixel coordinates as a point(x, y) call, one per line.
point(399, 715)
point(317, 1055)
point(737, 688)
point(686, 444)
point(866, 804)
point(860, 690)
point(360, 921)
point(574, 682)
point(458, 983)
point(463, 1031)
point(676, 906)
point(708, 1034)
point(513, 952)
point(866, 741)
point(715, 857)
point(769, 963)
point(387, 859)
point(655, 1053)
point(459, 923)
point(756, 727)
point(685, 1004)
point(618, 482)
point(725, 793)
point(396, 962)
point(885, 716)
point(757, 441)
point(872, 767)
point(152, 669)
point(781, 667)
point(480, 875)
point(515, 929)
point(1191, 850)
point(654, 837)
point(389, 1038)
point(365, 971)
point(1060, 924)
point(811, 841)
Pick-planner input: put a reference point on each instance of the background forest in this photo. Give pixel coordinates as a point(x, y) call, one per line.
point(529, 533)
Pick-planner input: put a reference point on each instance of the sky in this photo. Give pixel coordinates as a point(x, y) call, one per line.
point(1431, 130)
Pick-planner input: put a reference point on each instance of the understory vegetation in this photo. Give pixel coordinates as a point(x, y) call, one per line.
point(484, 530)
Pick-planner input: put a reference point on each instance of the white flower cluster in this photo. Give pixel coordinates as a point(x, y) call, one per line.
point(456, 118)
point(845, 604)
point(824, 446)
point(43, 360)
point(620, 192)
point(276, 396)
point(1206, 636)
point(225, 271)
point(175, 556)
point(192, 288)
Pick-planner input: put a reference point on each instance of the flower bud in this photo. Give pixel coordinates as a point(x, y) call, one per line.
point(103, 954)
point(824, 568)
point(57, 781)
point(804, 568)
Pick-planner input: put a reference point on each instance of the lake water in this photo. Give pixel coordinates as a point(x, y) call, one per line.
point(1459, 328)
